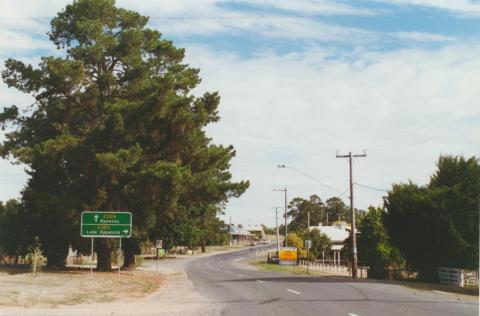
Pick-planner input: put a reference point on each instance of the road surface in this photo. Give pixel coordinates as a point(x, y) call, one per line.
point(241, 290)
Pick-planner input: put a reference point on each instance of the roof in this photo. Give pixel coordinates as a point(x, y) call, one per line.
point(255, 228)
point(235, 230)
point(337, 233)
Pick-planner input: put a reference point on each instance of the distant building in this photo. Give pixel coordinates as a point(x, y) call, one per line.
point(337, 234)
point(256, 231)
point(239, 234)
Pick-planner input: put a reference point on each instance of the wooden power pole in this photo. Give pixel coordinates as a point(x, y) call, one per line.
point(352, 212)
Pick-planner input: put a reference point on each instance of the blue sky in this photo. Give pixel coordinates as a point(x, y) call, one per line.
point(302, 79)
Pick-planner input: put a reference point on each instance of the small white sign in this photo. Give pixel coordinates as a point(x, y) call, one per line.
point(308, 244)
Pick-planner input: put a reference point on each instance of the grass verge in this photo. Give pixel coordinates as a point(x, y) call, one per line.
point(71, 287)
point(410, 284)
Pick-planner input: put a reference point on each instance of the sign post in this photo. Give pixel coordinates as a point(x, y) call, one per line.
point(119, 254)
point(106, 225)
point(158, 246)
point(308, 245)
point(91, 261)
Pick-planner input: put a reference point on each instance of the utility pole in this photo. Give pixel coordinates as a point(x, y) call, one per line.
point(352, 212)
point(308, 220)
point(230, 232)
point(286, 233)
point(278, 232)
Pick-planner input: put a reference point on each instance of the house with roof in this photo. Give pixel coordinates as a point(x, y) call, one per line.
point(257, 231)
point(337, 234)
point(239, 234)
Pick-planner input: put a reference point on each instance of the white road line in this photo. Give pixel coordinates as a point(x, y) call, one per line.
point(352, 314)
point(294, 292)
point(260, 281)
point(240, 275)
point(227, 271)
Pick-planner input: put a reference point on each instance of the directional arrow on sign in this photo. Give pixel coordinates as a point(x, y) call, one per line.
point(126, 231)
point(96, 217)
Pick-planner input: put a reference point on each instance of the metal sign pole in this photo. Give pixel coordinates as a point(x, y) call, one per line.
point(156, 270)
point(119, 252)
point(91, 261)
point(308, 260)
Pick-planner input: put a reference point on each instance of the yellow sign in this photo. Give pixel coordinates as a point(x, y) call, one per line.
point(288, 254)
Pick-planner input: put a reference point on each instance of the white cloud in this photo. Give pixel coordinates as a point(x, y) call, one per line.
point(467, 7)
point(406, 107)
point(422, 37)
point(15, 42)
point(313, 7)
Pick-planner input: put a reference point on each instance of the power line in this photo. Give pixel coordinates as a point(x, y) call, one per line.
point(311, 178)
point(369, 187)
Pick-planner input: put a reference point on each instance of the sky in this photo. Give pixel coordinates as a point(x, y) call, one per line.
point(302, 80)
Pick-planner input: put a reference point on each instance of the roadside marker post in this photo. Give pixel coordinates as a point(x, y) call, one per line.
point(119, 254)
point(91, 261)
point(106, 225)
point(308, 245)
point(158, 247)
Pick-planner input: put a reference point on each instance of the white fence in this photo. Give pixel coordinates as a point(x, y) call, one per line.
point(458, 277)
point(332, 268)
point(262, 252)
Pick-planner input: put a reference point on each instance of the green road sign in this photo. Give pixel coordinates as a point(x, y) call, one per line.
point(106, 224)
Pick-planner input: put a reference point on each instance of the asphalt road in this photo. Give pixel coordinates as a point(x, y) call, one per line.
point(241, 290)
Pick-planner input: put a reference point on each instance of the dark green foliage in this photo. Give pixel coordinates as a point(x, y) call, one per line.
point(374, 248)
point(15, 229)
point(333, 210)
point(298, 210)
point(116, 128)
point(337, 210)
point(320, 243)
point(269, 231)
point(437, 225)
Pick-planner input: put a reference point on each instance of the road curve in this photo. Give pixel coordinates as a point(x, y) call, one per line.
point(244, 291)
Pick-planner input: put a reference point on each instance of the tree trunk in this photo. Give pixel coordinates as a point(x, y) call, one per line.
point(130, 248)
point(203, 244)
point(104, 258)
point(129, 260)
point(56, 257)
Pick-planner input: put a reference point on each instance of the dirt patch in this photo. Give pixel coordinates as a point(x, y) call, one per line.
point(50, 289)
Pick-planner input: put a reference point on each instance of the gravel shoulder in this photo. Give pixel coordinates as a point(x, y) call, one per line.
point(175, 296)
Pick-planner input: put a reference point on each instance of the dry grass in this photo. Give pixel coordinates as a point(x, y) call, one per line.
point(73, 287)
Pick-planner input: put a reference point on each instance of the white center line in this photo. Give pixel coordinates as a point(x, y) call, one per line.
point(227, 271)
point(260, 281)
point(352, 314)
point(240, 275)
point(295, 292)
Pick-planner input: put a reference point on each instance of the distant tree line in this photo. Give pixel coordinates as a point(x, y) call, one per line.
point(114, 127)
point(419, 228)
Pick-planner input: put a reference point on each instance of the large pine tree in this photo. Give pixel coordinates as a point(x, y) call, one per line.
point(116, 128)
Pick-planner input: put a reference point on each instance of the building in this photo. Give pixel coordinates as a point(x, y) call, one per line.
point(238, 234)
point(256, 231)
point(337, 234)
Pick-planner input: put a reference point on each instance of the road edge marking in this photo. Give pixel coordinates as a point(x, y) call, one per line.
point(293, 291)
